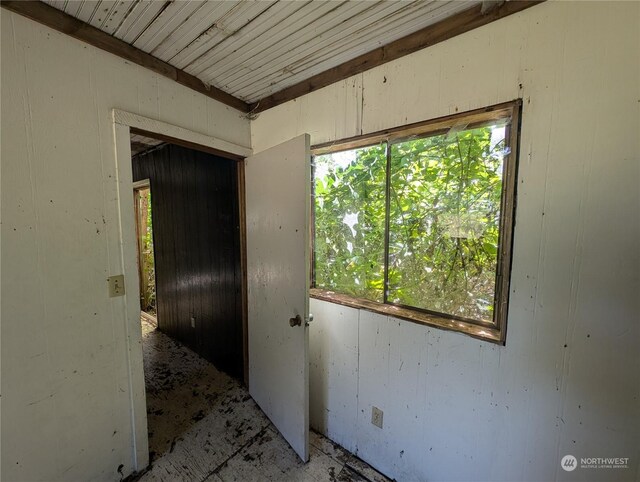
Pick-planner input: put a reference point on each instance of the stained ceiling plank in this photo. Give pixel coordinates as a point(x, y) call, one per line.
point(191, 29)
point(302, 28)
point(143, 13)
point(241, 14)
point(338, 49)
point(208, 37)
point(60, 21)
point(117, 16)
point(346, 33)
point(431, 35)
point(238, 78)
point(272, 22)
point(102, 13)
point(382, 26)
point(166, 22)
point(298, 20)
point(332, 20)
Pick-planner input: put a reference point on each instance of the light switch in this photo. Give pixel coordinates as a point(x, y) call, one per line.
point(116, 285)
point(376, 416)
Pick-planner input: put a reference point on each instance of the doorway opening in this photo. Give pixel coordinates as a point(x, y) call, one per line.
point(194, 212)
point(187, 217)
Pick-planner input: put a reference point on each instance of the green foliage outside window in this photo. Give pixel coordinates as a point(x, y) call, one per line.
point(444, 217)
point(350, 221)
point(148, 295)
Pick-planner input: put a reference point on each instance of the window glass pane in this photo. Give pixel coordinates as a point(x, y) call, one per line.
point(444, 221)
point(349, 221)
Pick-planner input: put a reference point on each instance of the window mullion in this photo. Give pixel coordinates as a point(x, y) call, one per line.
point(387, 210)
point(312, 224)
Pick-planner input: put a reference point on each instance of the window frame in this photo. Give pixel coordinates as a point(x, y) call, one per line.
point(488, 331)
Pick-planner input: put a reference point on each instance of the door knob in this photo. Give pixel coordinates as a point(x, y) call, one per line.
point(297, 321)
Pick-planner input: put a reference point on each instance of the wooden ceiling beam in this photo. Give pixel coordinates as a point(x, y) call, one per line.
point(445, 29)
point(62, 22)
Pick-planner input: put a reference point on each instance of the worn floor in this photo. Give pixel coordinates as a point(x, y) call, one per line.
point(204, 426)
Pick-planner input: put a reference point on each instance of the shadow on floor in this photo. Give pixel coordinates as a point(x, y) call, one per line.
point(204, 426)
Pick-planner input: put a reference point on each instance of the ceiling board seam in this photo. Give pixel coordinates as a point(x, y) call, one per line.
point(238, 73)
point(137, 3)
point(184, 22)
point(95, 9)
point(190, 39)
point(202, 43)
point(294, 65)
point(309, 48)
point(209, 63)
point(133, 5)
point(234, 33)
point(78, 7)
point(232, 67)
point(162, 27)
point(164, 7)
point(108, 14)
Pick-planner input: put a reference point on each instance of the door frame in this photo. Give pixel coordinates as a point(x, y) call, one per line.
point(125, 123)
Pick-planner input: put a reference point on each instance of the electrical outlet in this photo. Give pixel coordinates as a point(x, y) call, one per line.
point(116, 285)
point(376, 416)
point(193, 322)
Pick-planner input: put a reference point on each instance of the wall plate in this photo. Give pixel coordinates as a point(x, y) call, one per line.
point(116, 285)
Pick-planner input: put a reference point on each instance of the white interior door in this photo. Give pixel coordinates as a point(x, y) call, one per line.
point(277, 186)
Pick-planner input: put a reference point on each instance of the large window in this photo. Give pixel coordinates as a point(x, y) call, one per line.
point(417, 221)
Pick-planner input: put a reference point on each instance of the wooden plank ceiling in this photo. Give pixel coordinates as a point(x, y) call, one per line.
point(252, 49)
point(140, 143)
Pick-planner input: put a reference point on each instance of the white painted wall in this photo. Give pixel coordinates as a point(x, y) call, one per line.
point(66, 408)
point(567, 382)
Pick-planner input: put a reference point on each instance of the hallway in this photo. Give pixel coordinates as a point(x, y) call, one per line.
point(204, 426)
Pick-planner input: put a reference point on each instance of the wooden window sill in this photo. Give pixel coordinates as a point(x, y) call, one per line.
point(491, 334)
